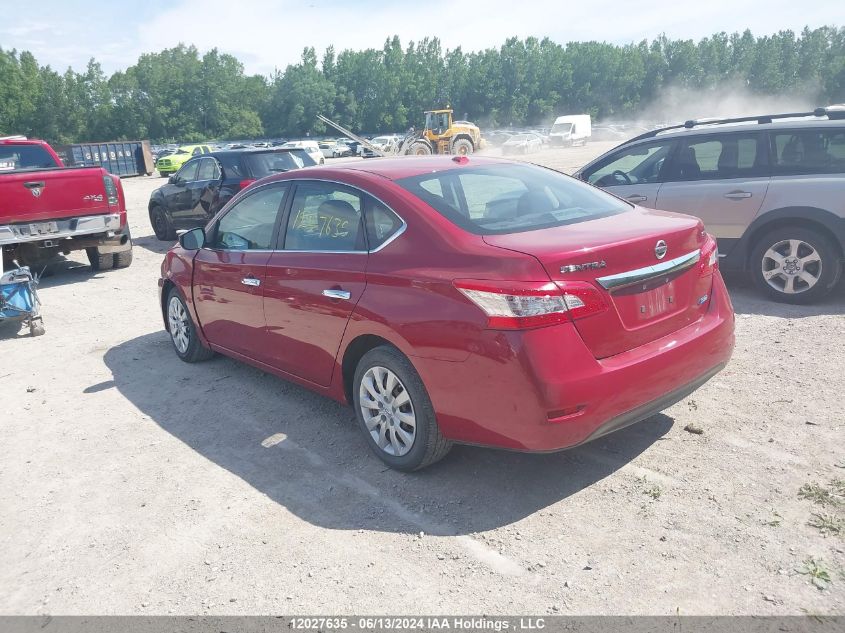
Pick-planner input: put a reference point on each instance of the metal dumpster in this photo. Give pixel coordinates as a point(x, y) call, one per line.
point(124, 158)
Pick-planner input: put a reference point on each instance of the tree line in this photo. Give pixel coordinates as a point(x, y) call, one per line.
point(180, 95)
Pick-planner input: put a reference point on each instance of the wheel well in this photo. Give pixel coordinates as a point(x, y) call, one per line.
point(351, 357)
point(165, 292)
point(796, 222)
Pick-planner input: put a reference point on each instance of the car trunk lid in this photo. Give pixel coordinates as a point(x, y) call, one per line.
point(647, 296)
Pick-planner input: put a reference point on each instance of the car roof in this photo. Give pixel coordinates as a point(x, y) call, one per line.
point(394, 168)
point(704, 127)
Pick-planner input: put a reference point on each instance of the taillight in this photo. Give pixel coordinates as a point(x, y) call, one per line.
point(111, 190)
point(247, 182)
point(709, 261)
point(514, 305)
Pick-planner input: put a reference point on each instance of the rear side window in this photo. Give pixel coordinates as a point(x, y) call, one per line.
point(382, 223)
point(719, 157)
point(510, 198)
point(809, 152)
point(22, 157)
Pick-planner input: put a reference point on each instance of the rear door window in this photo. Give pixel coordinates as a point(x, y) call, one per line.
point(635, 165)
point(325, 217)
point(809, 152)
point(719, 157)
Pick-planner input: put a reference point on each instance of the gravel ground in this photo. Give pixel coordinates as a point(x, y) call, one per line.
point(134, 483)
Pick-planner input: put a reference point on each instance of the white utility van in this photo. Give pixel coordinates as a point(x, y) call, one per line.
point(572, 129)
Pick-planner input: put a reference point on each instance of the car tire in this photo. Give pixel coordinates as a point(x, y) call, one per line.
point(123, 259)
point(100, 261)
point(462, 147)
point(402, 398)
point(803, 260)
point(183, 331)
point(162, 226)
point(419, 149)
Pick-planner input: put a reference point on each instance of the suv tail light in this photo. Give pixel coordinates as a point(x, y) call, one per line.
point(709, 262)
point(110, 186)
point(246, 182)
point(515, 305)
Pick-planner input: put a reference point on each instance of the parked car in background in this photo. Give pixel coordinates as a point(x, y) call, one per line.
point(571, 129)
point(384, 143)
point(171, 163)
point(497, 138)
point(47, 209)
point(309, 146)
point(455, 299)
point(204, 184)
point(769, 188)
point(340, 149)
point(525, 143)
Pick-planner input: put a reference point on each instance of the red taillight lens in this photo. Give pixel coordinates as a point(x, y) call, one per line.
point(246, 183)
point(709, 262)
point(513, 305)
point(110, 186)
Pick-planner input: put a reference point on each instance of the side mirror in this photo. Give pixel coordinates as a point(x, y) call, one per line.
point(192, 240)
point(173, 179)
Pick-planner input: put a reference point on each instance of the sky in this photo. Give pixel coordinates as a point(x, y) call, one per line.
point(270, 34)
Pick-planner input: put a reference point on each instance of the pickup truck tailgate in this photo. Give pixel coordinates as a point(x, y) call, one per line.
point(51, 194)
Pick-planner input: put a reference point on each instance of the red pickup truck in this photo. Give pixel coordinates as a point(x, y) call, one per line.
point(47, 208)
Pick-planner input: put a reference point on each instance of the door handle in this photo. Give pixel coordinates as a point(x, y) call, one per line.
point(738, 195)
point(337, 294)
point(250, 281)
point(637, 198)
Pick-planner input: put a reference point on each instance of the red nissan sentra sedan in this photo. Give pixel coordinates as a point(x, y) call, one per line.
point(459, 299)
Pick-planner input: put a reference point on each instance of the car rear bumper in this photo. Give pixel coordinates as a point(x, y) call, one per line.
point(59, 229)
point(542, 390)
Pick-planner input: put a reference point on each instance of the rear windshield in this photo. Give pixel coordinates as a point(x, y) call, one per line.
point(509, 198)
point(266, 163)
point(21, 157)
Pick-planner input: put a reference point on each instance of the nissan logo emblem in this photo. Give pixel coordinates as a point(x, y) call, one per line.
point(660, 249)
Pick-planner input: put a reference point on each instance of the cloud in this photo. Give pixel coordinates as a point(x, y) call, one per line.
point(272, 33)
point(269, 34)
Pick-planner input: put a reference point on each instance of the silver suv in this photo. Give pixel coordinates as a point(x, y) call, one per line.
point(771, 189)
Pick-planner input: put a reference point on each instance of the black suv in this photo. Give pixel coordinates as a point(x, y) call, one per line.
point(194, 194)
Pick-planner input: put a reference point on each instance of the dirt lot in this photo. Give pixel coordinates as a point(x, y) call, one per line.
point(133, 483)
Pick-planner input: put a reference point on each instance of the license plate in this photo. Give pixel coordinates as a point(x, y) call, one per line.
point(657, 302)
point(43, 228)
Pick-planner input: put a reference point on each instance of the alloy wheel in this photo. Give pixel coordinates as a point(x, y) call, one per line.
point(177, 317)
point(388, 411)
point(791, 266)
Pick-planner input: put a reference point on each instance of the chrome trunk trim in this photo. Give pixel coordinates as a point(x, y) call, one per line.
point(639, 275)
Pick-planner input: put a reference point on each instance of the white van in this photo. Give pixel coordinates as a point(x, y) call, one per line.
point(309, 146)
point(572, 129)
